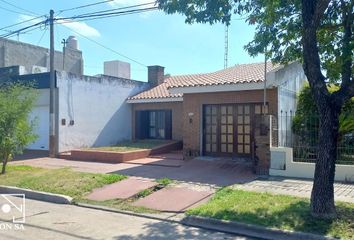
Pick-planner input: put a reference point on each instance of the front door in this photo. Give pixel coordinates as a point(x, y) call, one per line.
point(227, 130)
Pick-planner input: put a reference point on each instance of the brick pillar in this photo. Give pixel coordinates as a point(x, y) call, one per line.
point(156, 75)
point(262, 144)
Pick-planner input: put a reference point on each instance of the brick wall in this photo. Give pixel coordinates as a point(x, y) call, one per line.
point(192, 104)
point(177, 111)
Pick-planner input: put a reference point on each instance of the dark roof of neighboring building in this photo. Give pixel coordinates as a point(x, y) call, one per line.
point(242, 73)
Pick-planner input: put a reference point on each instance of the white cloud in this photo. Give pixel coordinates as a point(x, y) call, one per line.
point(125, 3)
point(80, 27)
point(116, 3)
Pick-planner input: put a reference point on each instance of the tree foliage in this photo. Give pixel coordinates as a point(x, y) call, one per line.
point(16, 129)
point(306, 120)
point(278, 27)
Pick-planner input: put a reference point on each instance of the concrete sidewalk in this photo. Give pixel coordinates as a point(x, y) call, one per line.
point(296, 187)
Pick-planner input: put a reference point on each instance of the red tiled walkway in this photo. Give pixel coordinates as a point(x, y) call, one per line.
point(122, 190)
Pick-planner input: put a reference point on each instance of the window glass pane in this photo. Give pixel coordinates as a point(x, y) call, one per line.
point(213, 129)
point(152, 132)
point(223, 129)
point(240, 138)
point(208, 129)
point(208, 110)
point(152, 119)
point(223, 138)
point(247, 119)
point(223, 119)
point(162, 133)
point(247, 129)
point(247, 109)
point(230, 148)
point(240, 148)
point(223, 147)
point(207, 147)
point(247, 148)
point(208, 120)
point(213, 120)
point(230, 129)
point(230, 138)
point(213, 110)
point(229, 110)
point(223, 110)
point(240, 119)
point(257, 109)
point(240, 109)
point(213, 148)
point(230, 119)
point(240, 129)
point(213, 138)
point(207, 138)
point(247, 138)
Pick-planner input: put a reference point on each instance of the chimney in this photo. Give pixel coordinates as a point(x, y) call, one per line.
point(117, 69)
point(156, 75)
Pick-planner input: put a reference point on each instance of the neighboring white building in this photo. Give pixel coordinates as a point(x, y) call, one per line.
point(91, 111)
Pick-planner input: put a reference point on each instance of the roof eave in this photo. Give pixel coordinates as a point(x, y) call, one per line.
point(156, 100)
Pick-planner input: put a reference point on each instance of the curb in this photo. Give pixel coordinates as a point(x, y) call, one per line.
point(37, 195)
point(230, 227)
point(248, 229)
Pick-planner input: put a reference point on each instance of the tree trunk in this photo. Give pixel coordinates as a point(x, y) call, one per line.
point(4, 163)
point(322, 197)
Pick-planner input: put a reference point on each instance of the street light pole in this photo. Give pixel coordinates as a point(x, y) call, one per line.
point(52, 120)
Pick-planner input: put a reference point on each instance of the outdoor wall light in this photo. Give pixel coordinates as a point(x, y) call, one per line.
point(190, 115)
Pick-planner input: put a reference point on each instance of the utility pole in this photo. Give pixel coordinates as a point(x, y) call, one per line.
point(52, 119)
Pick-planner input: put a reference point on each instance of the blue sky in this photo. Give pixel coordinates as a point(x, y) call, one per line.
point(152, 38)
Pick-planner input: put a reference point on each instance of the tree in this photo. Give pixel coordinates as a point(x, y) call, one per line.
point(16, 129)
point(316, 32)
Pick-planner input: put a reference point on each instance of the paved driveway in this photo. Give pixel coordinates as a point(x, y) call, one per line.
point(201, 172)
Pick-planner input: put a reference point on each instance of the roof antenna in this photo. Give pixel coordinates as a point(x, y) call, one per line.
point(226, 55)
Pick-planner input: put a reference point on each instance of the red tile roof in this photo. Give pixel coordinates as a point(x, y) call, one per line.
point(159, 91)
point(242, 73)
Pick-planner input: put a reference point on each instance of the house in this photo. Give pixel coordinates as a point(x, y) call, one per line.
point(219, 113)
point(89, 110)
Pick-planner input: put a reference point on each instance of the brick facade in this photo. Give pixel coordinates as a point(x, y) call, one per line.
point(192, 112)
point(177, 111)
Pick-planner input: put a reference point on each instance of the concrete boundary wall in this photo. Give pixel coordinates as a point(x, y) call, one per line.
point(282, 164)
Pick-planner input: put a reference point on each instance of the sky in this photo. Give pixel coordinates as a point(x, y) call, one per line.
point(152, 38)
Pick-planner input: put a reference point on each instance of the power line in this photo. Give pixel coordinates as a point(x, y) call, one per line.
point(105, 47)
point(23, 29)
point(13, 5)
point(118, 13)
point(39, 41)
point(120, 8)
point(115, 15)
point(29, 20)
point(10, 10)
point(84, 6)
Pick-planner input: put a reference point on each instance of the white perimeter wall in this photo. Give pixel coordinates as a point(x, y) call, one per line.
point(292, 78)
point(282, 165)
point(40, 114)
point(98, 108)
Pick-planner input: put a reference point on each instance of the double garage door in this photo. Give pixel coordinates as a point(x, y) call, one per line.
point(41, 116)
point(228, 129)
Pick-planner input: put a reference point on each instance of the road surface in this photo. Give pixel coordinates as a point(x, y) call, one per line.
point(53, 221)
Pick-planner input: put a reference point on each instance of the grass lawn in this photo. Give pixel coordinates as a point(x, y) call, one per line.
point(133, 146)
point(276, 211)
point(61, 181)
